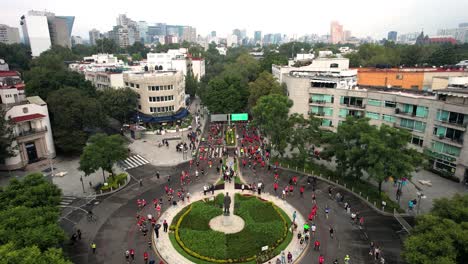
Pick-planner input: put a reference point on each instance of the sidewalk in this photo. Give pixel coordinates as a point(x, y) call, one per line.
point(170, 255)
point(147, 146)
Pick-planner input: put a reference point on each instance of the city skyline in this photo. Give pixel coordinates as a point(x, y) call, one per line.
point(363, 19)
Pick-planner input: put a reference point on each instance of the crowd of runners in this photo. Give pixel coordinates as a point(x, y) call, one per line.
point(251, 154)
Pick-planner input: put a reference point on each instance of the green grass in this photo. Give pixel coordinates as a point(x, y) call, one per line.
point(263, 226)
point(230, 137)
point(358, 185)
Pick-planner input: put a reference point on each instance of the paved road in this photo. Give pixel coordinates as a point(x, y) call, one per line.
point(116, 230)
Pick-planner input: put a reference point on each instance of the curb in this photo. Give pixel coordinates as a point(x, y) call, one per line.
point(378, 210)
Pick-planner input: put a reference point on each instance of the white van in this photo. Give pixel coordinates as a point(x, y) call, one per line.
point(463, 63)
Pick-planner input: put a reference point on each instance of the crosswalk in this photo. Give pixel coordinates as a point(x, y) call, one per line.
point(133, 162)
point(67, 200)
point(210, 153)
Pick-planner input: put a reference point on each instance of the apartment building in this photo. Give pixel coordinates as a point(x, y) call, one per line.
point(161, 94)
point(9, 35)
point(437, 121)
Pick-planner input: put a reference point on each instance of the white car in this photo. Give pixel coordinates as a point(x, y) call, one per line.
point(463, 63)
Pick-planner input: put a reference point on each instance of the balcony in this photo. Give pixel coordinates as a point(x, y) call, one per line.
point(458, 142)
point(354, 106)
point(321, 102)
point(319, 114)
point(454, 125)
point(30, 132)
point(398, 112)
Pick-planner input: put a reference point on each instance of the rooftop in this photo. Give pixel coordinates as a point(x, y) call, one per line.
point(24, 118)
point(9, 73)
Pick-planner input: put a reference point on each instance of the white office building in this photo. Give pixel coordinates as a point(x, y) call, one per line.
point(43, 29)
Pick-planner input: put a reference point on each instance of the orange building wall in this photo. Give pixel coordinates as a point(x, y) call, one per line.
point(385, 78)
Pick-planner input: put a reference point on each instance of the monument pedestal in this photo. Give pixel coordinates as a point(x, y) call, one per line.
point(227, 220)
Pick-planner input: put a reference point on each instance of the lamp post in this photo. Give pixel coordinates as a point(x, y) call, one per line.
point(82, 184)
point(420, 195)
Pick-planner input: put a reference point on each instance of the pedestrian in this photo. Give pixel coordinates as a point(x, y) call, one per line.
point(165, 226)
point(346, 259)
point(90, 184)
point(157, 174)
point(294, 216)
point(316, 245)
point(321, 259)
point(132, 253)
point(242, 187)
point(313, 198)
point(313, 227)
point(301, 190)
point(127, 254)
point(145, 257)
point(278, 261)
point(289, 257)
point(283, 258)
point(306, 227)
point(93, 247)
point(156, 230)
point(331, 231)
point(78, 232)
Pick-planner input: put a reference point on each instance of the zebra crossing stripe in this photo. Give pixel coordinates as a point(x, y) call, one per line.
point(142, 158)
point(137, 161)
point(129, 163)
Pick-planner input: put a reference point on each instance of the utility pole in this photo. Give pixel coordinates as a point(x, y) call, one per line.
point(82, 184)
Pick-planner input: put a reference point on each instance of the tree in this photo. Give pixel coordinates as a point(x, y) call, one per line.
point(271, 116)
point(102, 152)
point(6, 140)
point(73, 114)
point(388, 154)
point(348, 147)
point(304, 134)
point(31, 255)
point(118, 103)
point(270, 58)
point(265, 84)
point(136, 57)
point(222, 95)
point(291, 49)
point(106, 45)
point(440, 236)
point(191, 84)
point(29, 214)
point(18, 56)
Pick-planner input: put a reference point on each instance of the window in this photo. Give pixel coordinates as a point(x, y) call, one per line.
point(388, 118)
point(413, 125)
point(374, 102)
point(415, 87)
point(390, 104)
point(375, 116)
point(138, 96)
point(450, 117)
point(321, 98)
point(137, 86)
point(416, 140)
point(326, 122)
point(422, 111)
point(139, 107)
point(445, 148)
point(334, 65)
point(343, 112)
point(132, 85)
point(126, 83)
point(351, 101)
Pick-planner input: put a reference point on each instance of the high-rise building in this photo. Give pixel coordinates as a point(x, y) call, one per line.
point(43, 29)
point(392, 36)
point(346, 35)
point(257, 37)
point(189, 34)
point(213, 33)
point(9, 35)
point(460, 33)
point(94, 35)
point(336, 32)
point(126, 32)
point(143, 29)
point(76, 40)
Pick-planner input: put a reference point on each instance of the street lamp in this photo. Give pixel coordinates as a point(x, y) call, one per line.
point(420, 195)
point(82, 184)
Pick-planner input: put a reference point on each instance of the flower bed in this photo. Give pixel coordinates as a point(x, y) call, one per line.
point(231, 136)
point(265, 225)
point(114, 182)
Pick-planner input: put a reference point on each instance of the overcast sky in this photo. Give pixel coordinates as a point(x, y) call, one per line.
point(363, 17)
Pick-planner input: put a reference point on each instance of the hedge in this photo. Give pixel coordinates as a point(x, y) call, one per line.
point(115, 181)
point(262, 222)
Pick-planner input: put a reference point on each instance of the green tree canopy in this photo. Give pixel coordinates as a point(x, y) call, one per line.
point(18, 56)
point(440, 236)
point(271, 116)
point(118, 103)
point(6, 130)
point(304, 134)
point(265, 84)
point(29, 213)
point(73, 113)
point(270, 58)
point(31, 255)
point(191, 84)
point(102, 152)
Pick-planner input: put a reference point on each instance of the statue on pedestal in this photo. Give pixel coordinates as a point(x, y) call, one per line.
point(227, 203)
